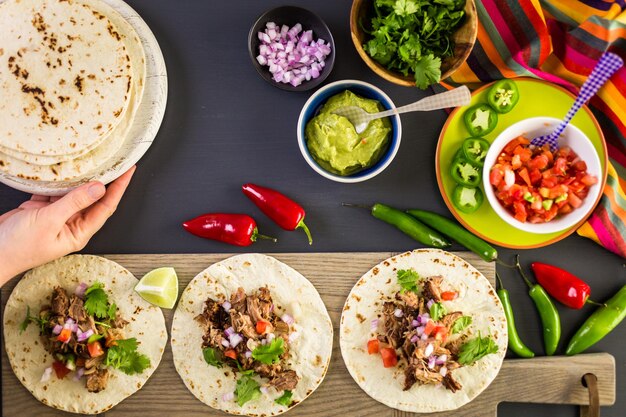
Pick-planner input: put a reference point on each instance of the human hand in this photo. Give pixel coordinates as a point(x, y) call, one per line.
point(46, 228)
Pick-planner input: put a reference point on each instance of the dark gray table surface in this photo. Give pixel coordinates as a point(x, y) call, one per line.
point(225, 126)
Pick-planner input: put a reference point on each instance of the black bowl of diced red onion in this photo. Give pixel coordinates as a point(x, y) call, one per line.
point(291, 48)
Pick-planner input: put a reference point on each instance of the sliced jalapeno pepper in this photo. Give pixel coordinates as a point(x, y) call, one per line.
point(550, 319)
point(599, 324)
point(465, 173)
point(503, 96)
point(515, 342)
point(480, 119)
point(475, 150)
point(467, 199)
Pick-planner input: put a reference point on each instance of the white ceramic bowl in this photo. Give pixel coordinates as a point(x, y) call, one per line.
point(312, 106)
point(572, 137)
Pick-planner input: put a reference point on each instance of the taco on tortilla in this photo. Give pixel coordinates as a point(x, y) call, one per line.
point(251, 336)
point(423, 332)
point(78, 337)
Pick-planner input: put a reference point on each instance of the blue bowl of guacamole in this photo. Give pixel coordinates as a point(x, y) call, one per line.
point(329, 143)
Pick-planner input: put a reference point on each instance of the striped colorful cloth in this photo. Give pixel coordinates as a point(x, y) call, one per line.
point(560, 41)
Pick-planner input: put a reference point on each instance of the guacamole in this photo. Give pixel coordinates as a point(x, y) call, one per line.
point(334, 143)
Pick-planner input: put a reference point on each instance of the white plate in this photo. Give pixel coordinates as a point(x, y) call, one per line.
point(145, 126)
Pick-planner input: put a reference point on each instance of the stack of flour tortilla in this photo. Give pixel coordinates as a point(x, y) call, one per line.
point(71, 79)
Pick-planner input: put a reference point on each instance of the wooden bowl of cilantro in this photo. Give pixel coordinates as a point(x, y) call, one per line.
point(414, 42)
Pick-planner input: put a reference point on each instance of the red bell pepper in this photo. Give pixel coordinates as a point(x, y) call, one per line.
point(281, 209)
point(562, 285)
point(234, 229)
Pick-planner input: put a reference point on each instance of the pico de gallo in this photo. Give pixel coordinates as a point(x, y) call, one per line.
point(535, 184)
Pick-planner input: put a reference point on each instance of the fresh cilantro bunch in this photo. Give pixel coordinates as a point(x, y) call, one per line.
point(413, 36)
point(97, 302)
point(124, 356)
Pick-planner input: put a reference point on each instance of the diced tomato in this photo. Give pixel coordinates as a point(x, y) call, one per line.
point(523, 173)
point(390, 359)
point(535, 176)
point(516, 162)
point(520, 211)
point(566, 208)
point(560, 166)
point(261, 326)
point(373, 346)
point(557, 191)
point(95, 349)
point(65, 335)
point(496, 176)
point(430, 326)
point(538, 162)
point(448, 295)
point(589, 180)
point(230, 353)
point(580, 166)
point(549, 181)
point(440, 333)
point(574, 201)
point(59, 369)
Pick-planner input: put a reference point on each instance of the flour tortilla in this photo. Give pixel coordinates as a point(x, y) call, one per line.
point(310, 351)
point(476, 298)
point(99, 152)
point(65, 76)
point(28, 358)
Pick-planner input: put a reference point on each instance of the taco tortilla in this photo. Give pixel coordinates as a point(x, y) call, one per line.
point(423, 332)
point(251, 336)
point(78, 337)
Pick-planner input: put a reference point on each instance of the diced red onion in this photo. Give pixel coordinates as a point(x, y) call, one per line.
point(263, 390)
point(424, 336)
point(374, 325)
point(46, 374)
point(419, 330)
point(248, 354)
point(443, 371)
point(226, 306)
point(75, 328)
point(429, 349)
point(235, 340)
point(414, 338)
point(425, 317)
point(79, 374)
point(69, 322)
point(431, 362)
point(287, 319)
point(415, 323)
point(398, 313)
point(225, 343)
point(228, 396)
point(229, 332)
point(261, 60)
point(82, 336)
point(270, 337)
point(57, 329)
point(80, 290)
point(429, 304)
point(442, 359)
point(264, 341)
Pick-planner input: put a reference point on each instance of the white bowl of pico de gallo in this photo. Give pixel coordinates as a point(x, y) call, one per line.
point(536, 190)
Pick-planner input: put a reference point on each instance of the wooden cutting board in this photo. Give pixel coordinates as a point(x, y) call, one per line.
point(555, 380)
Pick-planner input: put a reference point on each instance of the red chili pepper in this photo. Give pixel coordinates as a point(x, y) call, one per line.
point(284, 211)
point(562, 285)
point(235, 229)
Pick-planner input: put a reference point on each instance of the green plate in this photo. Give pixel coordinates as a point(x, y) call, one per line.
point(537, 98)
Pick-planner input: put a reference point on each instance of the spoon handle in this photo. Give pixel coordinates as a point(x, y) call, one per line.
point(460, 96)
point(608, 64)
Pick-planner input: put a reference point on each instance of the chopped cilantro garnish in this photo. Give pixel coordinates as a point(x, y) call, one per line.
point(475, 349)
point(124, 356)
point(41, 321)
point(408, 278)
point(461, 324)
point(437, 311)
point(247, 389)
point(212, 356)
point(270, 353)
point(284, 399)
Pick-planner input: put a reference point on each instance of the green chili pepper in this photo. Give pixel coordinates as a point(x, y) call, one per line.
point(456, 232)
point(467, 199)
point(550, 318)
point(407, 224)
point(599, 324)
point(475, 150)
point(465, 173)
point(480, 119)
point(503, 96)
point(515, 342)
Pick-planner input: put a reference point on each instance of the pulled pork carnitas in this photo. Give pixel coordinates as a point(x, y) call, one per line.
point(246, 334)
point(414, 328)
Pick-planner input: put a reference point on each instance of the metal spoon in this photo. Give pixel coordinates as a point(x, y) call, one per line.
point(608, 64)
point(360, 118)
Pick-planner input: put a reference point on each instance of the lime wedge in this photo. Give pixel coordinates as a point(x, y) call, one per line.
point(159, 287)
